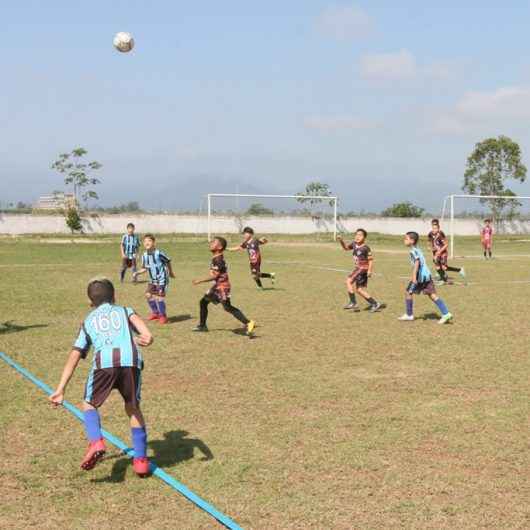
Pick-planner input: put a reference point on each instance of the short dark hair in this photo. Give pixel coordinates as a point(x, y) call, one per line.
point(435, 222)
point(221, 240)
point(487, 220)
point(364, 232)
point(414, 236)
point(130, 225)
point(100, 291)
point(248, 230)
point(150, 236)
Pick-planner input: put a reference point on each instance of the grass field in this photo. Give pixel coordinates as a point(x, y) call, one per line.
point(326, 419)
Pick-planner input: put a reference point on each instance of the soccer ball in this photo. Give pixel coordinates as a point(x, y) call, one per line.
point(123, 42)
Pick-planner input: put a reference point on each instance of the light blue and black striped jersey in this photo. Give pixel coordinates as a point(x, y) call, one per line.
point(130, 245)
point(156, 262)
point(424, 274)
point(109, 332)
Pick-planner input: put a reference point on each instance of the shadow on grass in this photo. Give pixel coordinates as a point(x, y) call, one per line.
point(10, 327)
point(243, 332)
point(174, 448)
point(431, 316)
point(179, 318)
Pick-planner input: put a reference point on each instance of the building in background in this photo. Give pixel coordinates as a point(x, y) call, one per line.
point(57, 201)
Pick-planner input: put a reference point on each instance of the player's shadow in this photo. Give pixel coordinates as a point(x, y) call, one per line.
point(179, 318)
point(174, 448)
point(430, 316)
point(243, 333)
point(10, 327)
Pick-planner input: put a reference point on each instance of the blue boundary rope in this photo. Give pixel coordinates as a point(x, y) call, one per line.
point(155, 470)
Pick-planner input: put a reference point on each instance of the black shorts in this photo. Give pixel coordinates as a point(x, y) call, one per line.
point(127, 263)
point(359, 277)
point(427, 288)
point(218, 295)
point(255, 268)
point(156, 290)
point(440, 261)
point(100, 383)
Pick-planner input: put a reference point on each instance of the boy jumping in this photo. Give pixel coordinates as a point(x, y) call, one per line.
point(130, 243)
point(113, 332)
point(421, 281)
point(439, 244)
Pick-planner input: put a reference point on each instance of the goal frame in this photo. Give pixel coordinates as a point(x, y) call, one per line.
point(332, 198)
point(451, 200)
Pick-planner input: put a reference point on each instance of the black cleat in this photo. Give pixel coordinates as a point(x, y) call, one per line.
point(200, 329)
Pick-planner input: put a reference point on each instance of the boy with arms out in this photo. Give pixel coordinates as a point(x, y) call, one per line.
point(219, 293)
point(252, 245)
point(438, 243)
point(130, 243)
point(421, 281)
point(357, 281)
point(158, 264)
point(486, 238)
point(113, 332)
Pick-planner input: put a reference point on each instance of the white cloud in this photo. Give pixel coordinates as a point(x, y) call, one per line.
point(388, 66)
point(336, 123)
point(345, 22)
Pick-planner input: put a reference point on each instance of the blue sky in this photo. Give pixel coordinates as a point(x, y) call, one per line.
point(382, 101)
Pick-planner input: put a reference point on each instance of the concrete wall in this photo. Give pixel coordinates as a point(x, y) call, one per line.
point(195, 224)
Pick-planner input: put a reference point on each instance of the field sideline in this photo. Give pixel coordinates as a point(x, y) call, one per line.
point(326, 419)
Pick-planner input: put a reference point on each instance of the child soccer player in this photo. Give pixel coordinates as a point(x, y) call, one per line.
point(252, 245)
point(421, 281)
point(439, 244)
point(113, 332)
point(486, 238)
point(357, 281)
point(130, 243)
point(219, 293)
point(158, 264)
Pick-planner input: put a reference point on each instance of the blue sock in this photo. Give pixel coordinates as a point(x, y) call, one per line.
point(139, 440)
point(92, 425)
point(441, 306)
point(153, 306)
point(409, 305)
point(162, 307)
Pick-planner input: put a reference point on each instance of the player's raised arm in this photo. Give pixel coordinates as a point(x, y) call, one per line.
point(263, 241)
point(342, 244)
point(57, 397)
point(235, 249)
point(144, 338)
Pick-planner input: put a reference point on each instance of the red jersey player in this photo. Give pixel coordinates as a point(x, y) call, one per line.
point(438, 243)
point(486, 238)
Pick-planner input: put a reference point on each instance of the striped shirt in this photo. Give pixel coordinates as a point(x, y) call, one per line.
point(109, 332)
point(424, 274)
point(156, 262)
point(130, 245)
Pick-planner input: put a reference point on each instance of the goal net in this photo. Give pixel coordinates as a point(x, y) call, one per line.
point(271, 214)
point(464, 215)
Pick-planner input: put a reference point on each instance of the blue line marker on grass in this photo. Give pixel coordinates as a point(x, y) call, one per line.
point(155, 470)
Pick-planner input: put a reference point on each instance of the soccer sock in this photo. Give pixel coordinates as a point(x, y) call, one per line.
point(441, 306)
point(490, 253)
point(92, 424)
point(153, 305)
point(258, 282)
point(371, 301)
point(485, 255)
point(139, 441)
point(236, 313)
point(353, 300)
point(443, 275)
point(161, 307)
point(409, 306)
point(204, 311)
point(122, 274)
point(454, 269)
point(264, 275)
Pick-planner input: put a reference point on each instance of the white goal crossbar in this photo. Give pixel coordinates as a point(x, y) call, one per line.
point(451, 200)
point(332, 199)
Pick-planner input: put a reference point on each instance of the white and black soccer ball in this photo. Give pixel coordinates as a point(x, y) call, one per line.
point(123, 42)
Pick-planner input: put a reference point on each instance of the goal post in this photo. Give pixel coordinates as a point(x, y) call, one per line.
point(333, 200)
point(449, 204)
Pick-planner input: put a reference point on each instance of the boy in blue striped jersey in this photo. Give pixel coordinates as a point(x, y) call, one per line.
point(130, 243)
point(158, 264)
point(114, 333)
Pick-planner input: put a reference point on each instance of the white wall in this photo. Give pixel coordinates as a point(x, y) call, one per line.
point(195, 224)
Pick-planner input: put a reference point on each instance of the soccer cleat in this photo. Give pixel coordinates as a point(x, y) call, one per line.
point(163, 319)
point(445, 318)
point(153, 316)
point(273, 278)
point(250, 328)
point(141, 466)
point(354, 307)
point(462, 273)
point(406, 318)
point(95, 452)
point(200, 329)
point(376, 307)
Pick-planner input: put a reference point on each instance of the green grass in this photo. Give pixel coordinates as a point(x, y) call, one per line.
point(325, 420)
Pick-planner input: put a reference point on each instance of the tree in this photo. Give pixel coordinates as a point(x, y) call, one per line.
point(403, 209)
point(78, 173)
point(314, 189)
point(258, 209)
point(73, 220)
point(493, 162)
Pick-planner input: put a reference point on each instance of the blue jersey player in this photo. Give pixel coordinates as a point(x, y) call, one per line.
point(113, 333)
point(421, 281)
point(158, 264)
point(130, 243)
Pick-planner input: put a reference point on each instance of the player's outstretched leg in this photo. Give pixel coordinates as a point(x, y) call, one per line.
point(440, 304)
point(236, 313)
point(96, 445)
point(270, 275)
point(122, 273)
point(373, 304)
point(257, 279)
point(139, 439)
point(203, 305)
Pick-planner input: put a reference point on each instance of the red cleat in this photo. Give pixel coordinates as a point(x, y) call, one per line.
point(96, 451)
point(163, 319)
point(141, 466)
point(153, 316)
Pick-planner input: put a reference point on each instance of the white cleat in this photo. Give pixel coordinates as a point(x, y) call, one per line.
point(406, 318)
point(445, 318)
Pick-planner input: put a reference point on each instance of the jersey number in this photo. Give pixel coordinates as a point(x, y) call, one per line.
point(103, 323)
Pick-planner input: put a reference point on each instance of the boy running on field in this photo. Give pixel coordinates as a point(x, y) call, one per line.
point(158, 264)
point(357, 281)
point(252, 245)
point(486, 238)
point(439, 244)
point(421, 281)
point(113, 332)
point(130, 243)
point(219, 293)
